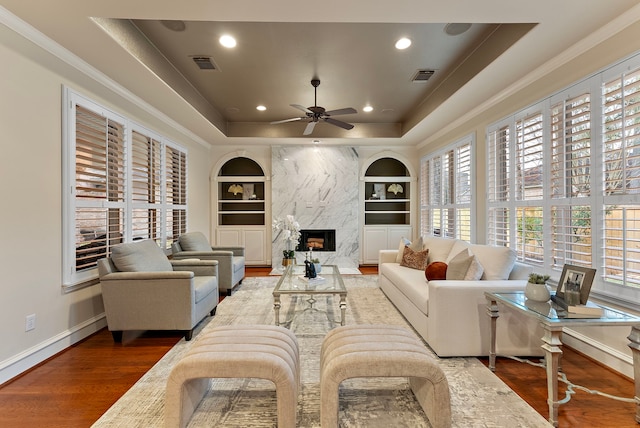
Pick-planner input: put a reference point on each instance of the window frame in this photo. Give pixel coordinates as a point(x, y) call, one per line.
point(435, 202)
point(157, 202)
point(570, 195)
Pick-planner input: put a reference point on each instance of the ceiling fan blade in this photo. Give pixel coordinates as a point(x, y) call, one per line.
point(348, 110)
point(309, 129)
point(339, 123)
point(299, 107)
point(293, 119)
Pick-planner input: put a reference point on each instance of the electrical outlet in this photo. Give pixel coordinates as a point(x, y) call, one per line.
point(31, 322)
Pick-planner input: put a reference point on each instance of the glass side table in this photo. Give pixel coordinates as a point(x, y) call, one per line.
point(553, 319)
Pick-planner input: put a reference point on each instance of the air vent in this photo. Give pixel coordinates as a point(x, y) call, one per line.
point(204, 63)
point(422, 75)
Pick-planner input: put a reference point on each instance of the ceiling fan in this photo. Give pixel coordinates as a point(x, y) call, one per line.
point(316, 113)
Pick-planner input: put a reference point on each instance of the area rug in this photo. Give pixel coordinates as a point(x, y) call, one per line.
point(478, 397)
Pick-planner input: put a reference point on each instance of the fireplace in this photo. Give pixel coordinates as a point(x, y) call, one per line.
point(318, 239)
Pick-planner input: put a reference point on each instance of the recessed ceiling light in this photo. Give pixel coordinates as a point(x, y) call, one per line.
point(228, 41)
point(261, 108)
point(367, 109)
point(403, 43)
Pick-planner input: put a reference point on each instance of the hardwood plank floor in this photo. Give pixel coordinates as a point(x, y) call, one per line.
point(74, 388)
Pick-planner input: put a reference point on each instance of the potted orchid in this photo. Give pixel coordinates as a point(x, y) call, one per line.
point(289, 230)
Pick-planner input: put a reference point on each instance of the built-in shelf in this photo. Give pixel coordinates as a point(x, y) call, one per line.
point(242, 207)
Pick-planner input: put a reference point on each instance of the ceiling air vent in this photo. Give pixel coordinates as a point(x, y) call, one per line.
point(204, 63)
point(422, 75)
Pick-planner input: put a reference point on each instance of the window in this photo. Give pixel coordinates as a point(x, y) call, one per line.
point(571, 163)
point(446, 192)
point(124, 183)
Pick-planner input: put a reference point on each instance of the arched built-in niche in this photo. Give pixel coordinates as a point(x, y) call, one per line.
point(242, 211)
point(387, 188)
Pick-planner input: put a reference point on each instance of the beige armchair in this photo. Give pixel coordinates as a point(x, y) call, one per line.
point(143, 290)
point(194, 245)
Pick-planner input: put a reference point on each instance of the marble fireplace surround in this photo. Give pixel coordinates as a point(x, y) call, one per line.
point(319, 186)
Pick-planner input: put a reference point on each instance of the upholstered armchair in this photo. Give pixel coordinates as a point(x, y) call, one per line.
point(143, 290)
point(194, 245)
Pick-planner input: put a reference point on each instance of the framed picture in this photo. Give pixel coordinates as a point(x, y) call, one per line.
point(576, 277)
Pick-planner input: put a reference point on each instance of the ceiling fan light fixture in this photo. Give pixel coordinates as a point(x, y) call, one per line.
point(228, 41)
point(403, 43)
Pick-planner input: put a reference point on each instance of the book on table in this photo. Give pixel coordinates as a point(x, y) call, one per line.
point(588, 310)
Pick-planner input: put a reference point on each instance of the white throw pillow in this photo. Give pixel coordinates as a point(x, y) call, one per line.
point(464, 266)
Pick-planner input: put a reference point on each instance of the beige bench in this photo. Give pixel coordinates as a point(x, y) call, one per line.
point(236, 351)
point(381, 351)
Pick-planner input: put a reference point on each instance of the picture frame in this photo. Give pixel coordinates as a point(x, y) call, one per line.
point(578, 275)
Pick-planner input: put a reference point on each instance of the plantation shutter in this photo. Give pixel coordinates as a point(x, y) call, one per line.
point(498, 176)
point(99, 186)
point(426, 226)
point(146, 189)
point(570, 170)
point(621, 165)
point(463, 192)
point(448, 192)
point(176, 193)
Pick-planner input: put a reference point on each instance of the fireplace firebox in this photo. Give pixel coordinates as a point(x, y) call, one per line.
point(317, 239)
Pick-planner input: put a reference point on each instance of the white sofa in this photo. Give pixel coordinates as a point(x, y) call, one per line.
point(451, 315)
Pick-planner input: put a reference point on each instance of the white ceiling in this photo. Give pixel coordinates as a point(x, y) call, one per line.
point(283, 44)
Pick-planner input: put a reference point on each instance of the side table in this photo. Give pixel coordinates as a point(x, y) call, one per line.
point(553, 320)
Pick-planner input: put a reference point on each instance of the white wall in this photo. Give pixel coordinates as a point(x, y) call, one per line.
point(31, 82)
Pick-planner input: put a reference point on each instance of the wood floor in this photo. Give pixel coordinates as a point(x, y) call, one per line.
point(74, 388)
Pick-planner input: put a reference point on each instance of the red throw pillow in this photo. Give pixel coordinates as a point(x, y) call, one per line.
point(436, 270)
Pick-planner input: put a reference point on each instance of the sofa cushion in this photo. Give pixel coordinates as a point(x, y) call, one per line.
point(497, 262)
point(140, 256)
point(414, 259)
point(410, 282)
point(403, 243)
point(194, 241)
point(458, 246)
point(439, 248)
point(436, 270)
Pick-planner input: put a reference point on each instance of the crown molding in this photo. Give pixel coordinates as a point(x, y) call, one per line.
point(41, 40)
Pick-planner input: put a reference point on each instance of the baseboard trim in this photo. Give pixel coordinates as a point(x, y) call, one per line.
point(604, 354)
point(20, 363)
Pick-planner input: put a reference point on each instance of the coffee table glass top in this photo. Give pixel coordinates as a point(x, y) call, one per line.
point(293, 281)
point(552, 313)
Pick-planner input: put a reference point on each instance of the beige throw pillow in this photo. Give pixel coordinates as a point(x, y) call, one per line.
point(414, 259)
point(403, 243)
point(464, 266)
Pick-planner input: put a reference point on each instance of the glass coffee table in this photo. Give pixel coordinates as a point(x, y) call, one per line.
point(293, 283)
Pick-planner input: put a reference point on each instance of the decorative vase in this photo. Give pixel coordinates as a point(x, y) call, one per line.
point(318, 267)
point(537, 292)
point(288, 262)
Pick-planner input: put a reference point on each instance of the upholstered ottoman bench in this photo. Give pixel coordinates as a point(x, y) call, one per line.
point(236, 351)
point(381, 351)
